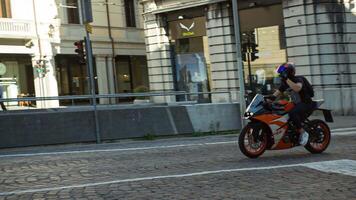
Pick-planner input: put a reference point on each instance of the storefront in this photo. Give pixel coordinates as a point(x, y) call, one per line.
point(190, 53)
point(131, 73)
point(311, 35)
point(16, 77)
point(195, 48)
point(72, 77)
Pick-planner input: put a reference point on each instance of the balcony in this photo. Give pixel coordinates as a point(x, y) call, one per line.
point(16, 29)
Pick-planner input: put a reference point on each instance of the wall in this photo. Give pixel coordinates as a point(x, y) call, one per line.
point(321, 38)
point(158, 54)
point(222, 51)
point(72, 125)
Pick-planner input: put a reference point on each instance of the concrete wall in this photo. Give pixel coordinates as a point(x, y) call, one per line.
point(222, 51)
point(77, 125)
point(321, 41)
point(158, 54)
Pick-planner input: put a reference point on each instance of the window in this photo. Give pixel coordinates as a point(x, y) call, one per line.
point(130, 13)
point(73, 13)
point(5, 9)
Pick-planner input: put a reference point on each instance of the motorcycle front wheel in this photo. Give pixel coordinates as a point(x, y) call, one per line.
point(253, 140)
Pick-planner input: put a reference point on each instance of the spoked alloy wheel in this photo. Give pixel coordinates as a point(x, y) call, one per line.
point(253, 140)
point(319, 138)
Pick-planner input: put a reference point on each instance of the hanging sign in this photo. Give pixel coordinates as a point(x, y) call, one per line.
point(188, 28)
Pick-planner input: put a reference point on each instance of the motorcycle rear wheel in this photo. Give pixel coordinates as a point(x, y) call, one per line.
point(249, 145)
point(319, 138)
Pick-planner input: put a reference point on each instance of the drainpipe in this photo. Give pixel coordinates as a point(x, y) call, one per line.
point(112, 46)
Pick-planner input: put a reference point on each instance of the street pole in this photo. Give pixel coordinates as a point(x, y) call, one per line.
point(249, 64)
point(239, 62)
point(89, 59)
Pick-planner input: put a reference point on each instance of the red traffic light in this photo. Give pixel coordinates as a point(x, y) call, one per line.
point(79, 43)
point(80, 51)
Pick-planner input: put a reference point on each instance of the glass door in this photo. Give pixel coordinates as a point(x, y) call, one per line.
point(191, 69)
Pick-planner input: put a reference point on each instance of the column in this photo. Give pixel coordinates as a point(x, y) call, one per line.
point(318, 41)
point(45, 82)
point(220, 31)
point(159, 62)
point(103, 78)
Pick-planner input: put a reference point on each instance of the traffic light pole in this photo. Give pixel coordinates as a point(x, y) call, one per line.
point(235, 11)
point(249, 64)
point(89, 56)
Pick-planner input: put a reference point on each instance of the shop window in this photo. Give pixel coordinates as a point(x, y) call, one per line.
point(191, 69)
point(130, 13)
point(73, 12)
point(5, 9)
point(190, 56)
point(73, 78)
point(124, 74)
point(131, 73)
point(16, 78)
point(265, 29)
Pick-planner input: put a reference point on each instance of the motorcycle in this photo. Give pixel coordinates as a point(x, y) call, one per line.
point(270, 128)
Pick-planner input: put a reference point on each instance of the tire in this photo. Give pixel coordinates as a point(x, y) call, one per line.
point(318, 143)
point(246, 136)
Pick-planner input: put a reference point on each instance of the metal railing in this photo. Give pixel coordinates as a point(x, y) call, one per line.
point(108, 99)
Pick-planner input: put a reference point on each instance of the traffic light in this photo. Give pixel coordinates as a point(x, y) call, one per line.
point(80, 51)
point(254, 51)
point(244, 52)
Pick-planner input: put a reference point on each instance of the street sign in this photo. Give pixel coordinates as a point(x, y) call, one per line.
point(89, 28)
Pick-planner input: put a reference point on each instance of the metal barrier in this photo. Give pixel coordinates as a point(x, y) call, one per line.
point(114, 97)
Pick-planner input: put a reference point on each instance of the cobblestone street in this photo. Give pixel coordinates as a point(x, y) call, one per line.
point(179, 168)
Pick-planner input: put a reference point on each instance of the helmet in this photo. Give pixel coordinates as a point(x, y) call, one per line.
point(287, 67)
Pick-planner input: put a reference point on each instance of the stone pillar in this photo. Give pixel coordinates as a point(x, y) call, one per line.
point(45, 83)
point(222, 49)
point(319, 37)
point(159, 62)
point(103, 78)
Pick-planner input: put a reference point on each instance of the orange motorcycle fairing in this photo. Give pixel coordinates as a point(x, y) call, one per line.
point(278, 127)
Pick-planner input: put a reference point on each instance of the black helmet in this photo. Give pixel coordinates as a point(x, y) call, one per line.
point(288, 68)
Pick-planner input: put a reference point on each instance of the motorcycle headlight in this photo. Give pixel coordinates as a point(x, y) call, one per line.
point(248, 114)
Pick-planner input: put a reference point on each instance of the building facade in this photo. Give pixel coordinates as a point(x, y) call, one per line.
point(191, 47)
point(37, 56)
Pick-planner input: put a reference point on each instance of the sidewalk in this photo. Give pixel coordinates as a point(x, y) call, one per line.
point(340, 121)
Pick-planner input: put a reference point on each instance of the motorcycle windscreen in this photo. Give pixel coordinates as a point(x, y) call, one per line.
point(256, 104)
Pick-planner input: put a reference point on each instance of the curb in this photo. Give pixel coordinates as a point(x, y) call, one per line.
point(343, 129)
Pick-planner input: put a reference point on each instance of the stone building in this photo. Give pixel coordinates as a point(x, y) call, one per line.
point(34, 32)
point(190, 47)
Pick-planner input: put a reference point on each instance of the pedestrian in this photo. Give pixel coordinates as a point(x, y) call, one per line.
point(2, 103)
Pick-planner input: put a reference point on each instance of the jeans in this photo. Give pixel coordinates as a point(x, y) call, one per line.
point(298, 114)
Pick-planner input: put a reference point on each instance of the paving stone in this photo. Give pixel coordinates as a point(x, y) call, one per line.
point(23, 173)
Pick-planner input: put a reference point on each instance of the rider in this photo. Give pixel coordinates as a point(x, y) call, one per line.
point(299, 95)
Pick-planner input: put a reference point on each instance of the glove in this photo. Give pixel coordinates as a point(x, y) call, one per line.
point(270, 98)
point(284, 75)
